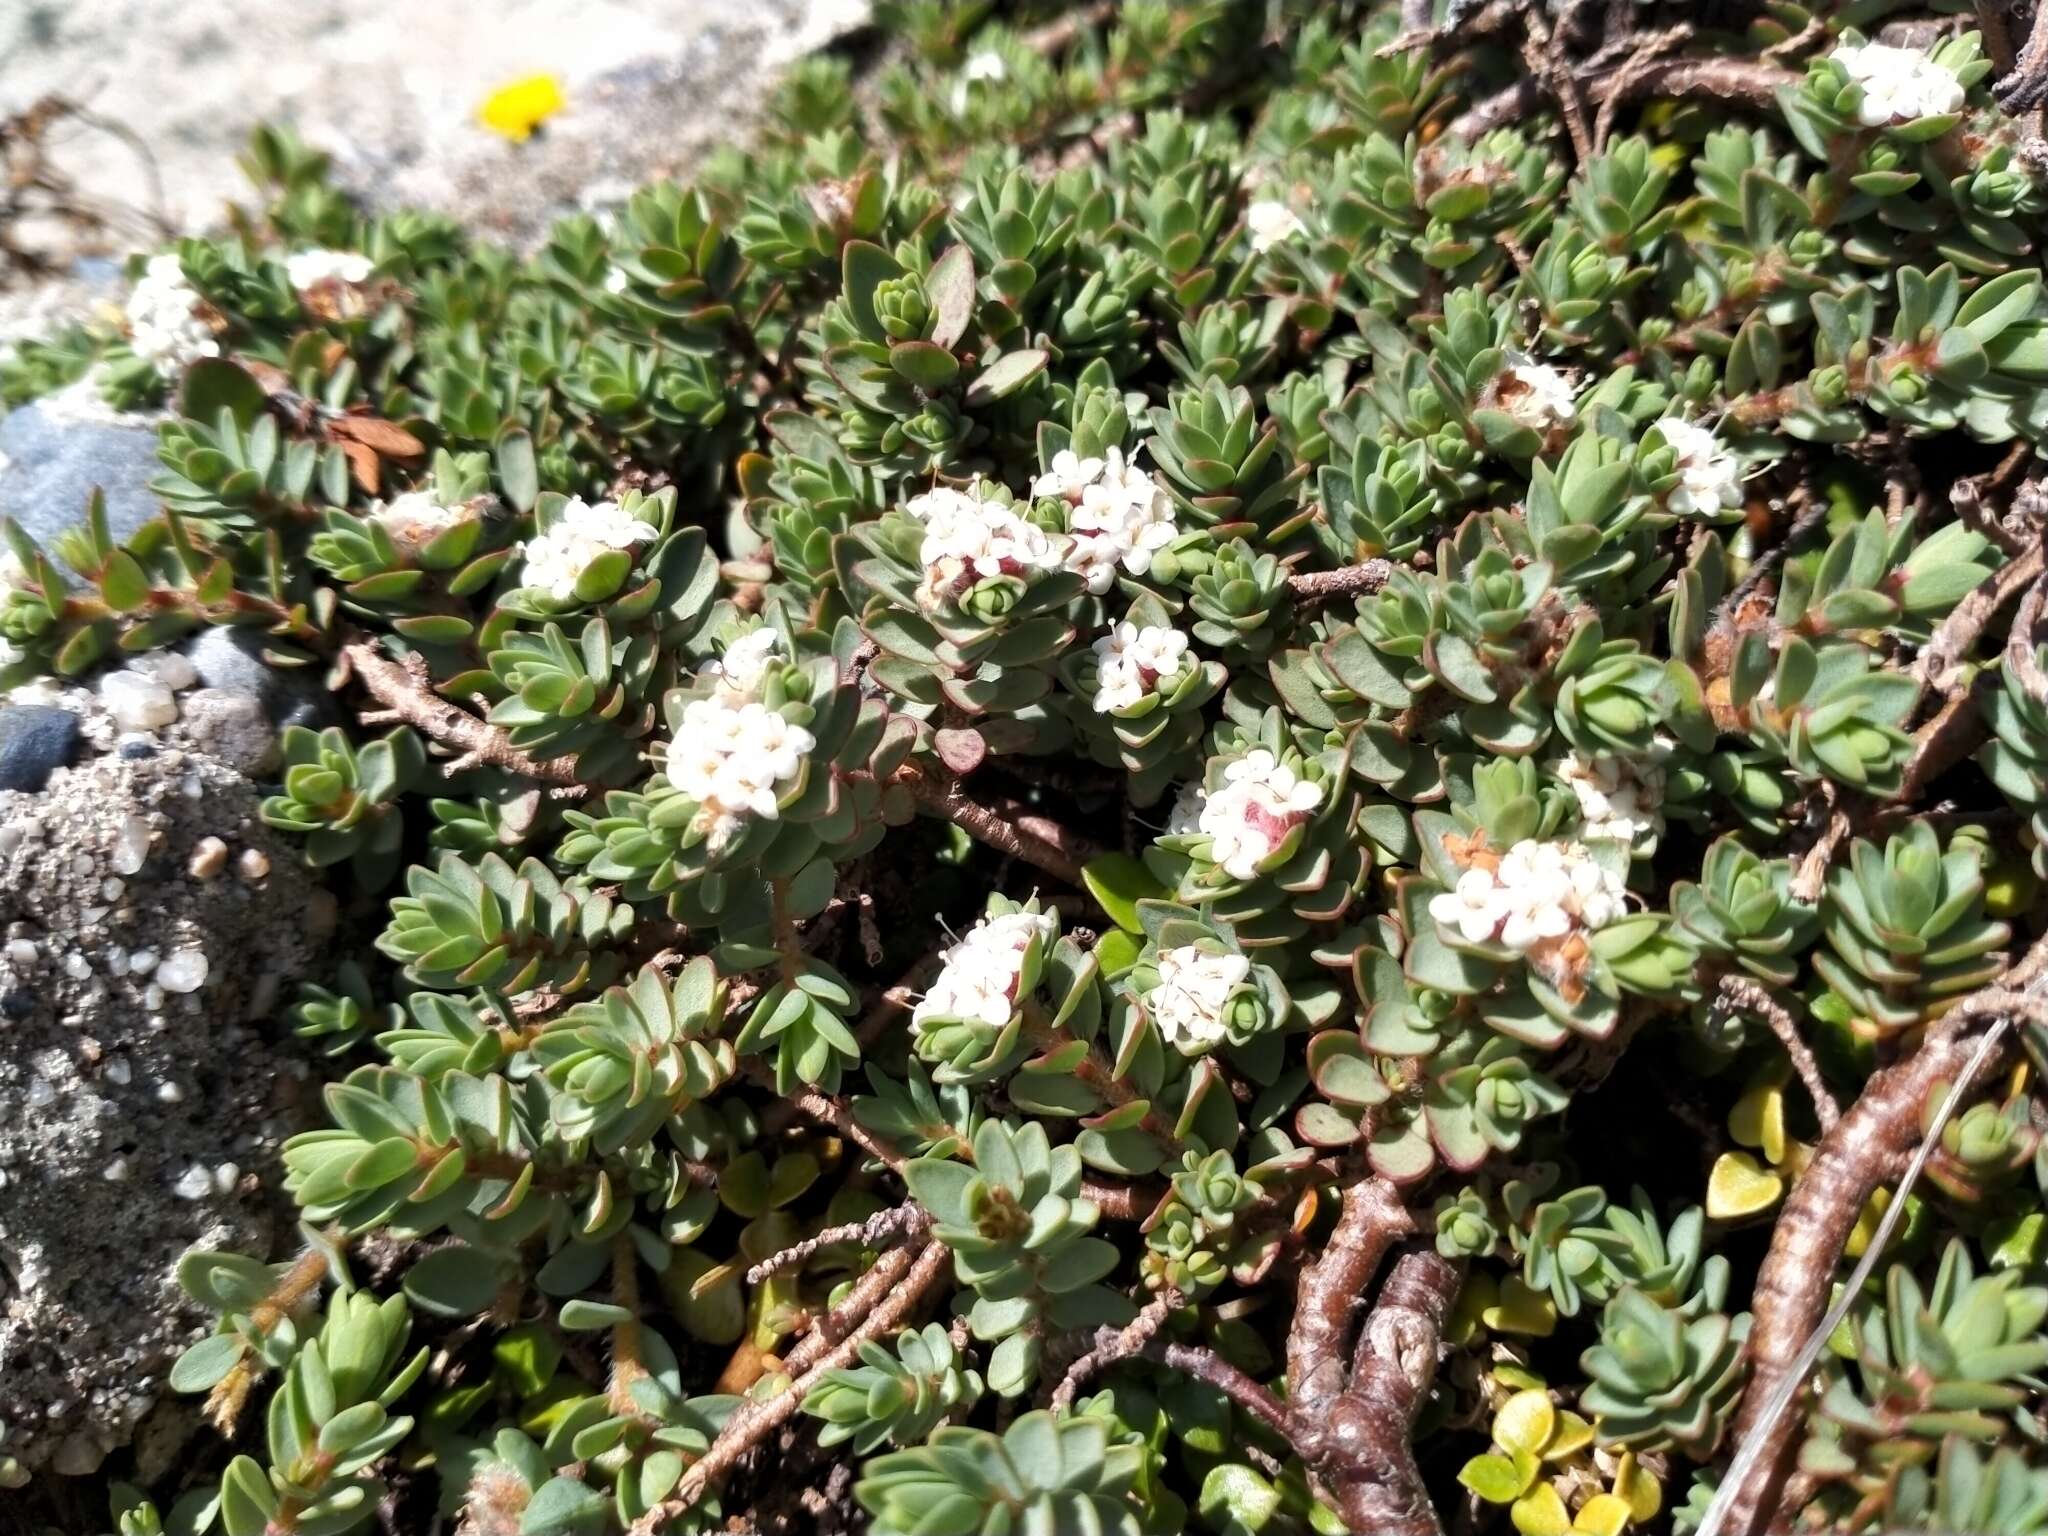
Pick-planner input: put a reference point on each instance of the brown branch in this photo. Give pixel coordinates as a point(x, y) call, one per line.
point(2023, 643)
point(1362, 579)
point(1112, 1345)
point(1741, 82)
point(1207, 1366)
point(1848, 1165)
point(1379, 1488)
point(1045, 845)
point(754, 1421)
point(880, 1229)
point(1959, 633)
point(411, 698)
point(1745, 993)
point(1331, 1290)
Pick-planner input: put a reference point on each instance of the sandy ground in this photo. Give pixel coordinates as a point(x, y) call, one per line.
point(391, 88)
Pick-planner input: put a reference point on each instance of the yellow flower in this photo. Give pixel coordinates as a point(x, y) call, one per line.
point(518, 107)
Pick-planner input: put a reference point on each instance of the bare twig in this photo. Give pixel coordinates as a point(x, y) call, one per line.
point(1045, 845)
point(880, 1229)
point(754, 1421)
point(2023, 643)
point(1112, 1345)
point(1362, 579)
point(411, 698)
point(1959, 633)
point(1848, 1165)
point(1744, 993)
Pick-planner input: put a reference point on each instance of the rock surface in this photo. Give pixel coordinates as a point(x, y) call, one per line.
point(35, 741)
point(51, 458)
point(392, 90)
point(140, 1086)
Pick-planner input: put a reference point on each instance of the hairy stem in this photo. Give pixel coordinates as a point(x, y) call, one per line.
point(1750, 996)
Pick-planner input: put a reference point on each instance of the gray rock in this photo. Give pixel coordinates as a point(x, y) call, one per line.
point(35, 741)
point(232, 727)
point(49, 465)
point(232, 660)
point(113, 1090)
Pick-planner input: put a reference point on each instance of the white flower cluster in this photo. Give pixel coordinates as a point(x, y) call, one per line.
point(979, 977)
point(1133, 661)
point(416, 518)
point(740, 670)
point(1709, 478)
point(309, 269)
point(167, 323)
point(1121, 515)
point(1193, 991)
point(1900, 85)
point(986, 65)
point(1617, 799)
point(1261, 801)
point(1270, 223)
point(735, 759)
point(1535, 394)
point(557, 559)
point(1536, 895)
point(967, 539)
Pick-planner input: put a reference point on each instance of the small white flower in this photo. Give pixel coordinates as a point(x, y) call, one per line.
point(1899, 84)
point(167, 324)
point(1193, 991)
point(1535, 394)
point(1709, 478)
point(1270, 223)
point(1121, 516)
point(557, 559)
point(1132, 662)
point(1618, 799)
point(309, 269)
point(1475, 906)
point(416, 518)
point(979, 977)
point(1262, 800)
point(968, 538)
point(615, 279)
point(735, 759)
point(985, 65)
point(746, 661)
point(1069, 476)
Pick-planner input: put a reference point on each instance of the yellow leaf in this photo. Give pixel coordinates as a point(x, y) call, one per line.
point(518, 107)
point(1540, 1512)
point(1636, 1487)
point(1866, 1222)
point(1738, 1186)
point(1572, 1435)
point(1521, 1310)
point(1525, 1422)
point(1758, 1120)
point(1602, 1515)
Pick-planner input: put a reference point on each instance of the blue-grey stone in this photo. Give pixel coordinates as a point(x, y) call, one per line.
point(35, 741)
point(48, 469)
point(232, 660)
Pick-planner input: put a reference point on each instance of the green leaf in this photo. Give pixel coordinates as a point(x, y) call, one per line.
point(213, 385)
point(518, 471)
point(565, 1506)
point(1118, 883)
point(1006, 375)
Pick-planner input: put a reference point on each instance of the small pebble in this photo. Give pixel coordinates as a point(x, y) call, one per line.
point(193, 1184)
point(137, 701)
point(40, 1094)
point(35, 741)
point(169, 1093)
point(23, 953)
point(253, 864)
point(115, 1172)
point(77, 967)
point(131, 845)
point(209, 858)
point(119, 1073)
point(12, 836)
point(142, 961)
point(169, 668)
point(153, 999)
point(17, 1002)
point(224, 1178)
point(135, 748)
point(82, 865)
point(182, 970)
point(112, 887)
